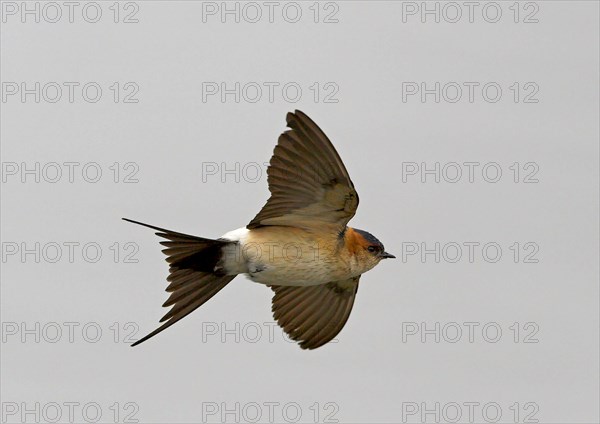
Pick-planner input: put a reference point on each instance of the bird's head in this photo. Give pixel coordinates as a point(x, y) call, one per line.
point(367, 249)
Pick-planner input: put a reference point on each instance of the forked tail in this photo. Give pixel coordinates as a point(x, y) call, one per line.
point(195, 273)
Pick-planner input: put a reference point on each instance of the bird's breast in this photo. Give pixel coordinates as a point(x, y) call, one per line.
point(287, 256)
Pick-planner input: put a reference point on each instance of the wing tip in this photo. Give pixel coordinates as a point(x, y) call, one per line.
point(297, 114)
point(290, 117)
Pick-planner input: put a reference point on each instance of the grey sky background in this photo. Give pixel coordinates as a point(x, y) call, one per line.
point(377, 371)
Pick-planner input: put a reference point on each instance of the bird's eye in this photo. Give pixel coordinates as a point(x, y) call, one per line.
point(372, 249)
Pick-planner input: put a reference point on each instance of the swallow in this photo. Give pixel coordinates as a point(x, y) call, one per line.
point(299, 244)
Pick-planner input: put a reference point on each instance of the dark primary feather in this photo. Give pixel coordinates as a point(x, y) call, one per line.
point(314, 315)
point(309, 184)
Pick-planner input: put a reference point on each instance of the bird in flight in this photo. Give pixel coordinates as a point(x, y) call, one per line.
point(299, 244)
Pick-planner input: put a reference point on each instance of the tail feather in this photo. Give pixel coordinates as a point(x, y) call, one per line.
point(186, 252)
point(194, 273)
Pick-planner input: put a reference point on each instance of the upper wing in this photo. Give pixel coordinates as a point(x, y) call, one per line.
point(310, 186)
point(314, 315)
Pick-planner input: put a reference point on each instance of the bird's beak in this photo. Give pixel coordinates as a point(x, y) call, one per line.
point(386, 255)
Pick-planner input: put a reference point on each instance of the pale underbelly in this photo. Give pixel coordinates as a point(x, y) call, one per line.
point(287, 257)
point(295, 276)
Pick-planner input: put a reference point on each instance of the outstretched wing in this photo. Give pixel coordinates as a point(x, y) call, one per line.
point(310, 186)
point(314, 315)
